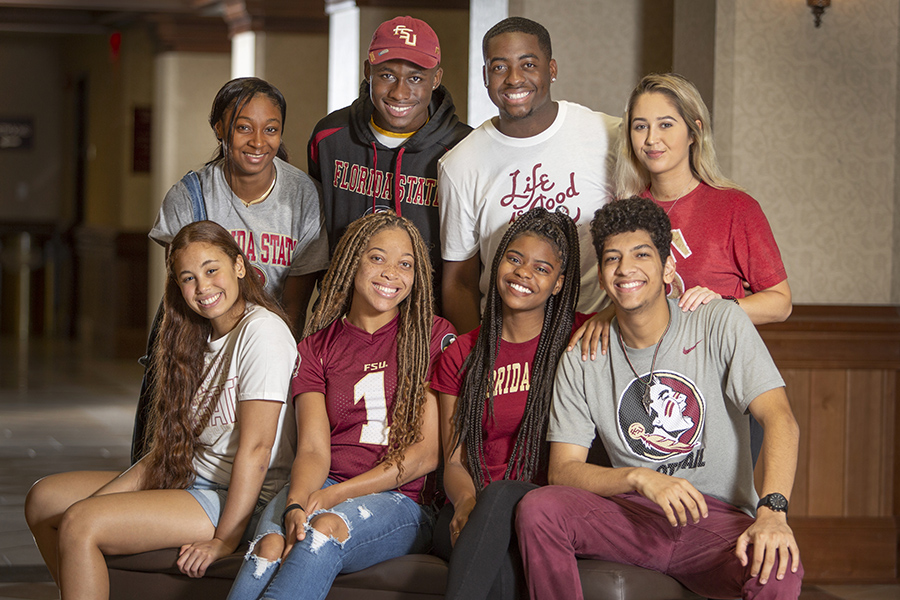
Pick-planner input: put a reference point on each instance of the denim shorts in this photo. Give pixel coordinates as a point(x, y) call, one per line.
point(212, 496)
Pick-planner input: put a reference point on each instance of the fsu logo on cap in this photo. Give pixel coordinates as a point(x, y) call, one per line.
point(406, 34)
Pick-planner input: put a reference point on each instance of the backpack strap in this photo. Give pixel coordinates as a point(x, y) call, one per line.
point(198, 206)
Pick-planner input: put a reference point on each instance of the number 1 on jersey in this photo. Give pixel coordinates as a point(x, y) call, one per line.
point(370, 389)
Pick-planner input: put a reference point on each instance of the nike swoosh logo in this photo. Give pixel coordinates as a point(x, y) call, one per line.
point(689, 350)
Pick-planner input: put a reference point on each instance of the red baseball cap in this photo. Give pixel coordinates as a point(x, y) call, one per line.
point(405, 38)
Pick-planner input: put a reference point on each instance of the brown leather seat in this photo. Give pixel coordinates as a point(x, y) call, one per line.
point(153, 575)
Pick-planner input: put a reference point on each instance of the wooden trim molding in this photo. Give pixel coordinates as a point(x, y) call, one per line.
point(841, 366)
point(190, 34)
point(275, 16)
point(836, 337)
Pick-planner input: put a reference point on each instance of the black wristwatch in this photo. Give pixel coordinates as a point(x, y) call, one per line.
point(774, 501)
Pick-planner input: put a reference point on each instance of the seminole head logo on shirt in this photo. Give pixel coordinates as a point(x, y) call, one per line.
point(664, 423)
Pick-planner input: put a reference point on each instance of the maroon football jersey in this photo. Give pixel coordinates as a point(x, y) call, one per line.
point(357, 372)
point(512, 380)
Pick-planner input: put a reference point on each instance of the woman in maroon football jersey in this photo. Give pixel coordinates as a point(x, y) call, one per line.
point(367, 421)
point(495, 386)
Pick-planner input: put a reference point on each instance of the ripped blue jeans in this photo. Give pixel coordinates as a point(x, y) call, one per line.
point(382, 526)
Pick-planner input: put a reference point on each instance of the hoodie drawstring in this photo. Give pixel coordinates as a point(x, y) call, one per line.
point(374, 171)
point(397, 182)
point(397, 166)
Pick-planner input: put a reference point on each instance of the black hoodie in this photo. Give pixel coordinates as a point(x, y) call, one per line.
point(359, 174)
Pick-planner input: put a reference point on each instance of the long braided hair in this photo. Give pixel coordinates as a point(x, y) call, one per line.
point(414, 329)
point(178, 360)
point(529, 452)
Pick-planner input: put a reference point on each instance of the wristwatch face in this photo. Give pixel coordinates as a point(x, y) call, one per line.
point(775, 501)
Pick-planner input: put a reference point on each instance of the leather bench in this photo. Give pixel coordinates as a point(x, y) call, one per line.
point(154, 576)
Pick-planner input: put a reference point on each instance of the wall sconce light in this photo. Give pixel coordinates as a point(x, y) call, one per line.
point(818, 9)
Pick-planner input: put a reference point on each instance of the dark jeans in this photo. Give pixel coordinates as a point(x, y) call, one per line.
point(485, 563)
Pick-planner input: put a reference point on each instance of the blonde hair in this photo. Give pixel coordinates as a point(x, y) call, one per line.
point(631, 176)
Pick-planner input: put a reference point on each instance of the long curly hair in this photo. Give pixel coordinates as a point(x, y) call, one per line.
point(414, 330)
point(529, 454)
point(178, 361)
point(631, 176)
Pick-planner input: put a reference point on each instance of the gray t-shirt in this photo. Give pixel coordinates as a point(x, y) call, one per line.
point(711, 365)
point(282, 235)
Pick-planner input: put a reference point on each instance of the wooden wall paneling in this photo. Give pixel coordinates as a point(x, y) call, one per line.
point(863, 492)
point(847, 549)
point(840, 365)
point(827, 421)
point(891, 464)
point(896, 466)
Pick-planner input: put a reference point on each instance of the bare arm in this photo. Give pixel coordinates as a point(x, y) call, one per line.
point(420, 459)
point(258, 421)
point(771, 305)
point(674, 495)
point(458, 483)
point(593, 332)
point(461, 293)
point(311, 464)
point(770, 531)
point(297, 292)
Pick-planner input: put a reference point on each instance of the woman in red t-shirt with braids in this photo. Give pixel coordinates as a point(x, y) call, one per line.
point(495, 386)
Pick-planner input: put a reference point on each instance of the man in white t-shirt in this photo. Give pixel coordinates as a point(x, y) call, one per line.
point(536, 152)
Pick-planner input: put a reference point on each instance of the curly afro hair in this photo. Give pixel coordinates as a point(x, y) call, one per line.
point(632, 214)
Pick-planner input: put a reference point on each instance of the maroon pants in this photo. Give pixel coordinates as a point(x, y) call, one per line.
point(557, 523)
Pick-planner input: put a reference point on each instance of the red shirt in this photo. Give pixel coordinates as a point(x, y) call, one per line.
point(512, 379)
point(721, 238)
point(357, 372)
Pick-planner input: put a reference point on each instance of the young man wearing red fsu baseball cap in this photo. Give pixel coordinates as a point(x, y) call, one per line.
point(381, 152)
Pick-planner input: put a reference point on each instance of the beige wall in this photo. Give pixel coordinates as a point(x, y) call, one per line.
point(185, 84)
point(813, 130)
point(603, 47)
point(137, 91)
point(105, 149)
point(298, 66)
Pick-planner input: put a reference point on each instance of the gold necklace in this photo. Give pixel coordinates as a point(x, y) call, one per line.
point(264, 196)
point(680, 196)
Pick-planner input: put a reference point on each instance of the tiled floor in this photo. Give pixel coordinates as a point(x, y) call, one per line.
point(62, 409)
